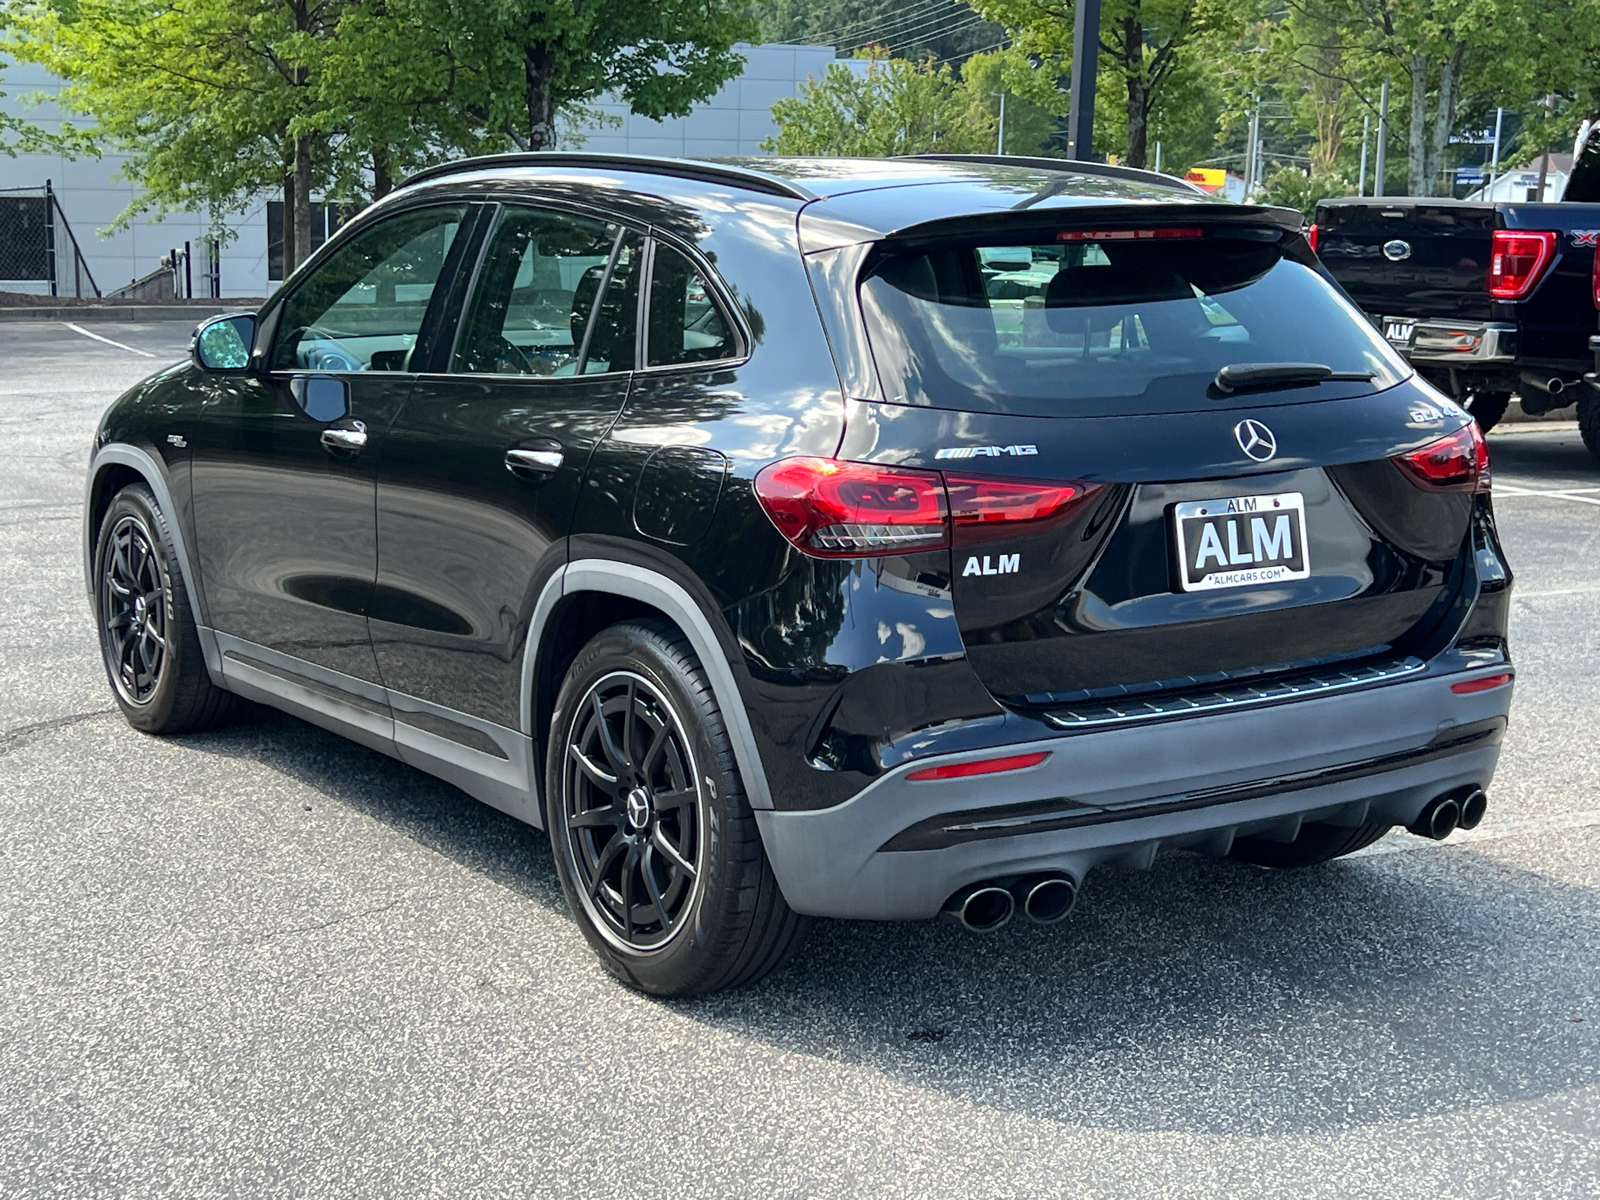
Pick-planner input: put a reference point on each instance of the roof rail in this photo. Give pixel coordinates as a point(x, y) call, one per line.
point(706, 172)
point(1040, 163)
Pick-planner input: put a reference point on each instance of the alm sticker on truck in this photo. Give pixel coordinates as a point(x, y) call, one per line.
point(1238, 541)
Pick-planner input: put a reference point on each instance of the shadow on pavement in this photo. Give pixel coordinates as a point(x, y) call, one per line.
point(1202, 997)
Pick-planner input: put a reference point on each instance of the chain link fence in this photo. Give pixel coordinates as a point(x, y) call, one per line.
point(38, 251)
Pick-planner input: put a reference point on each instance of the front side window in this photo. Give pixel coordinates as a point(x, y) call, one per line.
point(535, 294)
point(686, 326)
point(1087, 324)
point(362, 309)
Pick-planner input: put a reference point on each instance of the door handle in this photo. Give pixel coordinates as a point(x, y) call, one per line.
point(533, 463)
point(347, 437)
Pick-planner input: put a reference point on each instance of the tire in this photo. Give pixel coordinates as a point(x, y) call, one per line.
point(1317, 843)
point(636, 709)
point(148, 640)
point(1589, 422)
point(1487, 408)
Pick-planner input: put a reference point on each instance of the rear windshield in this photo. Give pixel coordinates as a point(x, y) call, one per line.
point(1108, 322)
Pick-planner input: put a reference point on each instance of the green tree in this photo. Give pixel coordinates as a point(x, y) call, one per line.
point(890, 107)
point(1144, 46)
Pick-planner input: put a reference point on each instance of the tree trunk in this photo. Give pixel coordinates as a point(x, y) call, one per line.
point(539, 71)
point(1417, 181)
point(382, 174)
point(302, 199)
point(288, 217)
point(1133, 69)
point(1444, 117)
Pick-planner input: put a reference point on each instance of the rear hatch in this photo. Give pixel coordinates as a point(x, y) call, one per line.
point(1409, 257)
point(1122, 523)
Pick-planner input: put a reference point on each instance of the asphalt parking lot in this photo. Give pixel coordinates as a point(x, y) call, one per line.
point(264, 961)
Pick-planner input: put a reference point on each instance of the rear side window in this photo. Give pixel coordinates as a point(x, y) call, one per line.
point(686, 325)
point(1105, 323)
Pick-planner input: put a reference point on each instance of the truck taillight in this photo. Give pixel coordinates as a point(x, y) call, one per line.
point(1518, 260)
point(1311, 236)
point(1456, 463)
point(834, 509)
point(1594, 278)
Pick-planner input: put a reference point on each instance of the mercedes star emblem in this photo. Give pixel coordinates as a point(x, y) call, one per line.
point(1397, 250)
point(1256, 440)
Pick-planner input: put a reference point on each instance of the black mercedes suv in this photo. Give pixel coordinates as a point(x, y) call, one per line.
point(805, 537)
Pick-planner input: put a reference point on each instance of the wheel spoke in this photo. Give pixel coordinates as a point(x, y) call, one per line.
point(607, 744)
point(646, 869)
point(596, 818)
point(120, 621)
point(660, 842)
point(627, 721)
point(675, 799)
point(592, 770)
point(657, 744)
point(607, 856)
point(117, 586)
point(628, 866)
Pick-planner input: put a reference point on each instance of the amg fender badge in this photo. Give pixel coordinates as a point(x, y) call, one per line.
point(983, 451)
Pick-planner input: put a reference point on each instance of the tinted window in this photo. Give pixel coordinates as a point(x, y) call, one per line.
point(686, 325)
point(616, 320)
point(535, 292)
point(362, 309)
point(1102, 324)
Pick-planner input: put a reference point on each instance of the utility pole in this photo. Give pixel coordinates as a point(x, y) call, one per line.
point(1494, 166)
point(1383, 139)
point(1000, 143)
point(1361, 175)
point(1158, 156)
point(1085, 61)
point(1544, 162)
point(1253, 158)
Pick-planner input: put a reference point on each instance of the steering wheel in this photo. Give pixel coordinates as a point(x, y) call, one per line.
point(316, 351)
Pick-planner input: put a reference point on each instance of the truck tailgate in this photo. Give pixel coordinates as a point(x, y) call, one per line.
point(1406, 256)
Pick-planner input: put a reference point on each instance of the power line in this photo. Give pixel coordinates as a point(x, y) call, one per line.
point(922, 32)
point(850, 29)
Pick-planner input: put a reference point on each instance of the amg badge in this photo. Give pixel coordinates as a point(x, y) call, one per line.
point(983, 451)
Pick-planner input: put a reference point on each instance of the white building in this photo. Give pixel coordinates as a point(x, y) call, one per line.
point(91, 194)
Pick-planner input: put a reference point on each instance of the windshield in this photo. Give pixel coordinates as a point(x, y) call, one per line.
point(1109, 322)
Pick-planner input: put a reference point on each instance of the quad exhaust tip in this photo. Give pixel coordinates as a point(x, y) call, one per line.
point(988, 906)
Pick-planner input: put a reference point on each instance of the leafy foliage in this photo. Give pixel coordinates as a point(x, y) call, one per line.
point(882, 107)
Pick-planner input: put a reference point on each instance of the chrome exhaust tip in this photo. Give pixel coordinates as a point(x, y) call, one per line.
point(981, 908)
point(1049, 899)
point(1439, 819)
point(1474, 804)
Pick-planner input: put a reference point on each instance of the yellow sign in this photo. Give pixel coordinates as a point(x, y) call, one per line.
point(1210, 178)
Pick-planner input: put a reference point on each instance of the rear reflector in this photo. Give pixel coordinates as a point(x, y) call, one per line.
point(835, 509)
point(1518, 261)
point(1594, 278)
point(1484, 683)
point(1457, 463)
point(1127, 235)
point(983, 766)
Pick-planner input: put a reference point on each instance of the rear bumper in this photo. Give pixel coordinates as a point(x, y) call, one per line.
point(899, 849)
point(1462, 343)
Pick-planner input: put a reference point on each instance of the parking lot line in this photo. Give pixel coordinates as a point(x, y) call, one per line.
point(1561, 494)
point(107, 341)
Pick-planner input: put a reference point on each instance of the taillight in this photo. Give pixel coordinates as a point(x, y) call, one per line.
point(1457, 463)
point(838, 509)
point(835, 509)
point(1594, 278)
point(1311, 236)
point(1518, 260)
point(984, 507)
point(1484, 683)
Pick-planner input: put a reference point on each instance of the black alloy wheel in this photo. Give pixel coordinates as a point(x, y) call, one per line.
point(632, 805)
point(148, 637)
point(657, 848)
point(135, 610)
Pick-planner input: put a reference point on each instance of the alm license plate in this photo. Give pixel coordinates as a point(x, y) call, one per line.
point(1399, 331)
point(1237, 541)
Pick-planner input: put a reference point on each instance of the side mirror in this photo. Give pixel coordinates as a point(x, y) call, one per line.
point(223, 343)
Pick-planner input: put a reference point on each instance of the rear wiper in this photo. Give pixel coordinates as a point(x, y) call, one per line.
point(1238, 377)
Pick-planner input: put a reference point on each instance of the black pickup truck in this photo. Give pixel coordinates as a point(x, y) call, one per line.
point(1485, 299)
